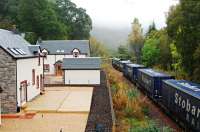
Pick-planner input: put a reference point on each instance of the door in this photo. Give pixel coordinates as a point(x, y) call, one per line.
point(23, 92)
point(59, 71)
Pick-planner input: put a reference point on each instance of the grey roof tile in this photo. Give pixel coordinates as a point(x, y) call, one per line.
point(67, 45)
point(10, 40)
point(81, 63)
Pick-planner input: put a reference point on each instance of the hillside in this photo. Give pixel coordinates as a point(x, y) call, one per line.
point(111, 37)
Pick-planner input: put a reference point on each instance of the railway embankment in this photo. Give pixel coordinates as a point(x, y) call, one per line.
point(133, 110)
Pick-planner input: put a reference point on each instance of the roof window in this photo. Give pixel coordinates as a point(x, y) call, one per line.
point(17, 51)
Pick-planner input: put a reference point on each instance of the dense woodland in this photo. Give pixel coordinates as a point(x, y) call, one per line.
point(175, 48)
point(47, 19)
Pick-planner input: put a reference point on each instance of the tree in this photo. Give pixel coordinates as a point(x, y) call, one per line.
point(78, 21)
point(37, 16)
point(183, 24)
point(97, 48)
point(151, 28)
point(136, 40)
point(8, 10)
point(123, 52)
point(196, 76)
point(8, 13)
point(165, 59)
point(150, 51)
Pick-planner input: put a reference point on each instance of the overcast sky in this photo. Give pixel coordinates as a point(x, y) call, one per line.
point(120, 13)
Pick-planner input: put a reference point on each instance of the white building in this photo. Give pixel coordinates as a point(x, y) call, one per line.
point(56, 50)
point(82, 71)
point(21, 71)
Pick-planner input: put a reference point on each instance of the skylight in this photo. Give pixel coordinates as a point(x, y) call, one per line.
point(17, 51)
point(14, 51)
point(20, 51)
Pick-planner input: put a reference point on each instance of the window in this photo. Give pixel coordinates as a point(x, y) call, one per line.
point(38, 82)
point(41, 82)
point(46, 68)
point(33, 76)
point(75, 53)
point(39, 59)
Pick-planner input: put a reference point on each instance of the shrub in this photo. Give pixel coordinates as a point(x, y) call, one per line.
point(134, 109)
point(151, 127)
point(132, 93)
point(120, 100)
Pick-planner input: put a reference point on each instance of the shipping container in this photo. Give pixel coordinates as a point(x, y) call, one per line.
point(182, 99)
point(115, 63)
point(122, 64)
point(131, 71)
point(151, 82)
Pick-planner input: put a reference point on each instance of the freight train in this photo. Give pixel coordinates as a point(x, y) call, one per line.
point(178, 98)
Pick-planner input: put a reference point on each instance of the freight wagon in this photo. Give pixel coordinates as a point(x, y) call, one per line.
point(115, 63)
point(122, 64)
point(151, 82)
point(130, 71)
point(182, 98)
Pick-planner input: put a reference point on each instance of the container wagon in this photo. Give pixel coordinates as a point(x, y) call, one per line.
point(182, 98)
point(122, 64)
point(151, 82)
point(115, 63)
point(130, 71)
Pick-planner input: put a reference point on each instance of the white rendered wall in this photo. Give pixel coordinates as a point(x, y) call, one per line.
point(52, 59)
point(24, 72)
point(71, 56)
point(85, 77)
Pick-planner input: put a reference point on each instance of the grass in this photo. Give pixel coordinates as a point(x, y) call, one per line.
point(131, 109)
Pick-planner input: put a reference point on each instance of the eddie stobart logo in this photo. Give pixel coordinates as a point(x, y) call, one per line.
point(192, 110)
point(187, 105)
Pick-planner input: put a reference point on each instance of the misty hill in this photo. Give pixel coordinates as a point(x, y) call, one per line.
point(111, 37)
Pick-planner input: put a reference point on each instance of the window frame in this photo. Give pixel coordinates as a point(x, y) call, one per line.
point(33, 76)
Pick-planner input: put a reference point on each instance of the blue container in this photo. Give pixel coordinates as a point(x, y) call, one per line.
point(182, 99)
point(131, 71)
point(151, 81)
point(115, 63)
point(122, 64)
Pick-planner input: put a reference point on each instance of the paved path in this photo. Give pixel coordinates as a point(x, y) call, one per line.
point(47, 122)
point(63, 99)
point(65, 108)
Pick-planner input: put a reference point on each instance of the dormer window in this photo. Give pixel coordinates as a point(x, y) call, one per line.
point(76, 53)
point(44, 52)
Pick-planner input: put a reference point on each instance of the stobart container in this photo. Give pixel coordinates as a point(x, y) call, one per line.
point(122, 64)
point(131, 71)
point(115, 63)
point(151, 82)
point(182, 99)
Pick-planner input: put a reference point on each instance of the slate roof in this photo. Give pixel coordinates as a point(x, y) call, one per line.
point(67, 45)
point(81, 63)
point(9, 40)
point(34, 48)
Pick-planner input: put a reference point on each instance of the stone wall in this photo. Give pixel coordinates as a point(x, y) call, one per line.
point(100, 111)
point(8, 83)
